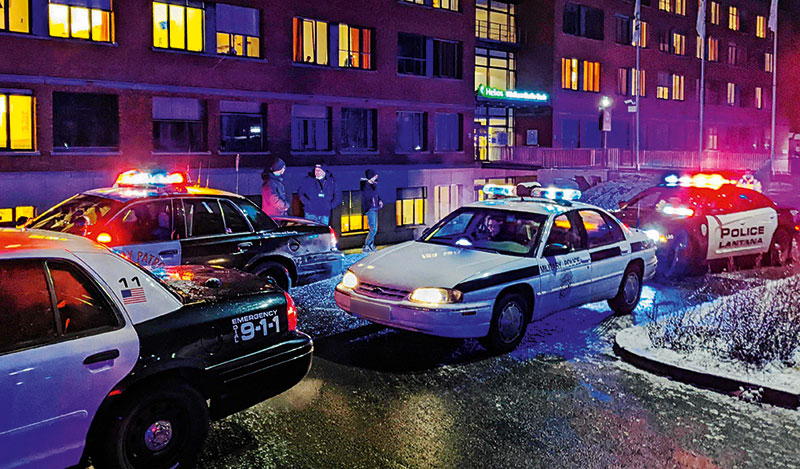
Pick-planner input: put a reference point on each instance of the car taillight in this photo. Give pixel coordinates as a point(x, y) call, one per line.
point(333, 237)
point(291, 312)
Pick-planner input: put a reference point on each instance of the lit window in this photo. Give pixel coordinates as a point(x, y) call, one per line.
point(75, 21)
point(496, 20)
point(178, 26)
point(16, 122)
point(640, 82)
point(410, 206)
point(665, 5)
point(237, 31)
point(678, 44)
point(495, 68)
point(712, 138)
point(15, 16)
point(733, 18)
point(627, 82)
point(768, 60)
point(761, 26)
point(713, 49)
point(355, 47)
point(591, 76)
point(353, 220)
point(678, 87)
point(662, 90)
point(451, 5)
point(446, 198)
point(643, 35)
point(731, 94)
point(699, 47)
point(310, 41)
point(714, 13)
point(759, 98)
point(569, 74)
point(680, 7)
point(11, 215)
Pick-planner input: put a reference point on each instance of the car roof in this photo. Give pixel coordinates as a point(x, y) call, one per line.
point(127, 194)
point(541, 206)
point(14, 241)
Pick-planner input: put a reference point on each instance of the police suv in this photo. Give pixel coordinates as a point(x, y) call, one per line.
point(490, 267)
point(705, 219)
point(99, 357)
point(158, 219)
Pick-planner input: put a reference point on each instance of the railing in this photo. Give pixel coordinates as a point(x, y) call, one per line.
point(495, 31)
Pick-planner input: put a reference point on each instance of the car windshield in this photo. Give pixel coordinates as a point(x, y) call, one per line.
point(501, 231)
point(75, 214)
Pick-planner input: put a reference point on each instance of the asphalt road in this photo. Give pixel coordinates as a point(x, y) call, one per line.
point(377, 397)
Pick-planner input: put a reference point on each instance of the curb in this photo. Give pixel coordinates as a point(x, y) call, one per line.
point(706, 380)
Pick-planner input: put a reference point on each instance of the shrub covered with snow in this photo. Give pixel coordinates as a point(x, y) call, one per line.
point(609, 194)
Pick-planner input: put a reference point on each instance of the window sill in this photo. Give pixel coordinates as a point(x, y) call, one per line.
point(310, 65)
point(448, 152)
point(242, 58)
point(244, 153)
point(20, 153)
point(312, 153)
point(180, 153)
point(359, 152)
point(421, 152)
point(354, 233)
point(220, 57)
point(85, 152)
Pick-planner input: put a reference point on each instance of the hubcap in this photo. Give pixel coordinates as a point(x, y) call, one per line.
point(510, 322)
point(631, 288)
point(158, 435)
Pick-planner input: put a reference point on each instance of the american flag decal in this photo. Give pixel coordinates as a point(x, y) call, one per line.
point(133, 295)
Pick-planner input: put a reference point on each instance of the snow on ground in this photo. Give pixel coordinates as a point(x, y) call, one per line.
point(608, 194)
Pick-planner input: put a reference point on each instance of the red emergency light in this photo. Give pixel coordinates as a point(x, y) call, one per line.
point(136, 178)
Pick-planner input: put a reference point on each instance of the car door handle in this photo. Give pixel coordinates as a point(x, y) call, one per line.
point(101, 357)
point(169, 252)
point(244, 246)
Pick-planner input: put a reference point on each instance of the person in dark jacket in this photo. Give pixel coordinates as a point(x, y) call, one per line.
point(370, 204)
point(273, 192)
point(318, 194)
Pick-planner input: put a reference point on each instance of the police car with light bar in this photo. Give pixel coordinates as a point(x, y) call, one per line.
point(491, 267)
point(101, 358)
point(708, 218)
point(158, 218)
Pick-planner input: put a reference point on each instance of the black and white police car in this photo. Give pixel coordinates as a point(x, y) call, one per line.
point(490, 267)
point(99, 357)
point(157, 219)
point(706, 218)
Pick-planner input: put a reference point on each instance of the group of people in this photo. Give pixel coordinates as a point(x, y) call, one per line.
point(319, 196)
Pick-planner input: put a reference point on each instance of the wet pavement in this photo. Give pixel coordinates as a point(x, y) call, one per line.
point(377, 397)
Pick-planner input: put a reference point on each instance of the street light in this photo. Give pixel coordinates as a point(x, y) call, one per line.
point(605, 102)
point(605, 118)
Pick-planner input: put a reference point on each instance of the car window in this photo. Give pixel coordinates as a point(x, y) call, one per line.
point(455, 226)
point(75, 214)
point(565, 232)
point(646, 199)
point(27, 308)
point(234, 221)
point(81, 306)
point(600, 230)
point(506, 232)
point(146, 222)
point(260, 220)
point(203, 217)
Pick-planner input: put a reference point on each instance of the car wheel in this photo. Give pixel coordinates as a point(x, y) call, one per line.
point(509, 322)
point(678, 257)
point(780, 248)
point(155, 427)
point(275, 272)
point(630, 290)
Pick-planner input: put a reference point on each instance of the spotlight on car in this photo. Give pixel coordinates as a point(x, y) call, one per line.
point(349, 280)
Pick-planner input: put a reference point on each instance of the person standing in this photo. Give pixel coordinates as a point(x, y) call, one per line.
point(273, 192)
point(370, 203)
point(318, 194)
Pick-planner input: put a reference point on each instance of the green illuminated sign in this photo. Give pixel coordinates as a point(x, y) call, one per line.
point(497, 93)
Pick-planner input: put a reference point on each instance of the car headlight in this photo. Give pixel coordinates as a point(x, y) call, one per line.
point(436, 295)
point(349, 280)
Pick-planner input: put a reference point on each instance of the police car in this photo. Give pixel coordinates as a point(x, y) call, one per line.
point(99, 357)
point(490, 267)
point(158, 219)
point(707, 218)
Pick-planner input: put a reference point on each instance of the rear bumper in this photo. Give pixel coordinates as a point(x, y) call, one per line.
point(246, 381)
point(320, 267)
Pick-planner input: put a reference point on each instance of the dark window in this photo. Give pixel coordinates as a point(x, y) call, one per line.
point(411, 132)
point(178, 125)
point(411, 54)
point(27, 308)
point(242, 127)
point(600, 230)
point(359, 129)
point(448, 132)
point(85, 120)
point(581, 20)
point(257, 218)
point(81, 306)
point(624, 30)
point(311, 128)
point(203, 217)
point(147, 222)
point(234, 221)
point(446, 59)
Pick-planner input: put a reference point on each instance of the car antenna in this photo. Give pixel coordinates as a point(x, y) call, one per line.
point(208, 173)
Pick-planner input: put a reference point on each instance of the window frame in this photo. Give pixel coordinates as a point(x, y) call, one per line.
point(5, 17)
point(423, 137)
point(400, 202)
point(305, 121)
point(298, 41)
point(347, 210)
point(113, 146)
point(369, 55)
point(491, 57)
point(185, 6)
point(5, 107)
point(111, 38)
point(440, 49)
point(432, 4)
point(616, 230)
point(504, 32)
point(344, 140)
point(263, 147)
point(410, 60)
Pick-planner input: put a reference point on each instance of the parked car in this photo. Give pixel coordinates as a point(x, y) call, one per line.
point(101, 358)
point(158, 219)
point(491, 267)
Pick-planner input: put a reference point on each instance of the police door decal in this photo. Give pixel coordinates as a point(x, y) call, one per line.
point(741, 233)
point(152, 254)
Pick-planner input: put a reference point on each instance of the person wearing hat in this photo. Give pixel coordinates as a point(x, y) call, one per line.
point(273, 192)
point(318, 194)
point(370, 204)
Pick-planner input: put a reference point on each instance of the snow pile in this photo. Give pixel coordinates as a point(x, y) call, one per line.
point(609, 194)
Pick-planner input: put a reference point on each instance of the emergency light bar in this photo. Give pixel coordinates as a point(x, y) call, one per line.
point(498, 190)
point(708, 181)
point(136, 178)
point(556, 193)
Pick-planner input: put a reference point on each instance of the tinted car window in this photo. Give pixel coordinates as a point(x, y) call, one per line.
point(257, 218)
point(203, 217)
point(234, 221)
point(27, 309)
point(73, 215)
point(565, 232)
point(646, 200)
point(81, 306)
point(455, 226)
point(146, 222)
point(600, 230)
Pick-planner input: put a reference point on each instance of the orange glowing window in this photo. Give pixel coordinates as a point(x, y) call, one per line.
point(355, 47)
point(591, 76)
point(569, 74)
point(310, 41)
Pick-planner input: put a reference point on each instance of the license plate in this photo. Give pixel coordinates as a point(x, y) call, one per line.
point(370, 310)
point(251, 326)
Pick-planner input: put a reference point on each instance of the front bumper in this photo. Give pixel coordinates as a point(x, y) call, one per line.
point(245, 381)
point(460, 320)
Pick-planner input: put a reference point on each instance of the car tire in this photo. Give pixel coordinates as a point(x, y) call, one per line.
point(780, 248)
point(275, 271)
point(154, 427)
point(510, 318)
point(630, 290)
point(679, 256)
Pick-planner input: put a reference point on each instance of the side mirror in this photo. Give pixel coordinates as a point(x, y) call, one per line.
point(555, 249)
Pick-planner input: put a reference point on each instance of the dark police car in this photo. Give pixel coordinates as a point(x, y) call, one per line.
point(101, 358)
point(706, 218)
point(158, 219)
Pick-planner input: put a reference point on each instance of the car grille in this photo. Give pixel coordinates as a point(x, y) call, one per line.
point(380, 291)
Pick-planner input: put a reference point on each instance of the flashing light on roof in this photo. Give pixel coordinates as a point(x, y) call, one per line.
point(104, 238)
point(708, 181)
point(499, 190)
point(678, 211)
point(136, 178)
point(557, 193)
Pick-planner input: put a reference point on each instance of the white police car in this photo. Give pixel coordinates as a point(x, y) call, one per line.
point(99, 357)
point(490, 267)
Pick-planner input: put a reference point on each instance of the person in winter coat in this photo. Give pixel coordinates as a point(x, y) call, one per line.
point(318, 194)
point(370, 204)
point(273, 192)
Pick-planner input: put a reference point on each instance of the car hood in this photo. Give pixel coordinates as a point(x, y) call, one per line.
point(206, 284)
point(416, 264)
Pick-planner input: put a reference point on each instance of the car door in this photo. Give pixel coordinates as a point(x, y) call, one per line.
point(741, 222)
point(565, 278)
point(218, 234)
point(63, 348)
point(609, 252)
point(148, 233)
